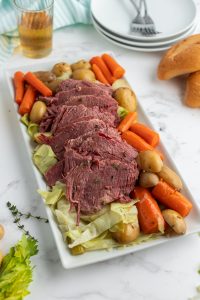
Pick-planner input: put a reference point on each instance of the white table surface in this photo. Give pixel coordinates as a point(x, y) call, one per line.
point(166, 272)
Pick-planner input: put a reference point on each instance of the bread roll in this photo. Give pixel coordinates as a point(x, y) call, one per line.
point(182, 58)
point(192, 93)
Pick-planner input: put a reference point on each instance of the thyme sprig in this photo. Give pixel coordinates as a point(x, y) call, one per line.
point(17, 219)
point(16, 213)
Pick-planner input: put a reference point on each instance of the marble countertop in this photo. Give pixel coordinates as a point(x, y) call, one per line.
point(166, 272)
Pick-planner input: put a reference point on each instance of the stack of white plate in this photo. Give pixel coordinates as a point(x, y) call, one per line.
point(174, 19)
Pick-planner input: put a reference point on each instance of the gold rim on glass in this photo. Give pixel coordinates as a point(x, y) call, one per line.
point(35, 10)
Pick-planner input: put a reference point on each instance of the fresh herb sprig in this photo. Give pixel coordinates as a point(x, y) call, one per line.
point(17, 218)
point(16, 213)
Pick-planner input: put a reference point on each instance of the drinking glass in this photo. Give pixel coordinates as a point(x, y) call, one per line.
point(35, 26)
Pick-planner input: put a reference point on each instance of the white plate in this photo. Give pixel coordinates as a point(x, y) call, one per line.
point(69, 261)
point(131, 47)
point(143, 44)
point(171, 17)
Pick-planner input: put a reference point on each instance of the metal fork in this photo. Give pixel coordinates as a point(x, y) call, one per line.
point(143, 25)
point(148, 21)
point(138, 19)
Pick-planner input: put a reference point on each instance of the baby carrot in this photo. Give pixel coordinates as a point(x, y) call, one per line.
point(28, 100)
point(172, 198)
point(149, 135)
point(127, 122)
point(37, 84)
point(149, 214)
point(99, 75)
point(97, 60)
point(136, 141)
point(19, 86)
point(114, 67)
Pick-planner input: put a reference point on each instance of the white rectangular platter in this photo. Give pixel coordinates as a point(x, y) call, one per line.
point(69, 261)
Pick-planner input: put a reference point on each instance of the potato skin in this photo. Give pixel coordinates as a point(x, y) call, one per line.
point(175, 220)
point(150, 161)
point(148, 179)
point(60, 68)
point(170, 177)
point(1, 257)
point(83, 74)
point(37, 112)
point(2, 232)
point(127, 234)
point(45, 76)
point(126, 98)
point(53, 85)
point(119, 83)
point(81, 64)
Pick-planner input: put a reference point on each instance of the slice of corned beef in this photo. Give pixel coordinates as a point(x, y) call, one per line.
point(90, 187)
point(48, 100)
point(105, 103)
point(71, 114)
point(48, 119)
point(72, 131)
point(54, 173)
point(104, 144)
point(64, 96)
point(72, 83)
point(73, 159)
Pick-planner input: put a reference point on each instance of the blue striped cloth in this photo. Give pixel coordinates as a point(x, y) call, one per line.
point(66, 12)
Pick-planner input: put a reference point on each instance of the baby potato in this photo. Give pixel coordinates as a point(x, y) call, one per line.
point(127, 233)
point(77, 250)
point(37, 112)
point(120, 83)
point(1, 257)
point(175, 220)
point(83, 74)
point(148, 179)
point(2, 232)
point(81, 64)
point(62, 69)
point(126, 98)
point(53, 85)
point(45, 76)
point(150, 161)
point(170, 177)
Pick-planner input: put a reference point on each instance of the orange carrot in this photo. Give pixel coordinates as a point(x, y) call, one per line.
point(127, 122)
point(114, 67)
point(37, 84)
point(149, 135)
point(136, 141)
point(97, 60)
point(149, 214)
point(172, 198)
point(19, 86)
point(99, 75)
point(28, 100)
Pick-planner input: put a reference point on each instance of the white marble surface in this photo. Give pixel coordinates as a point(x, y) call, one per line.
point(167, 272)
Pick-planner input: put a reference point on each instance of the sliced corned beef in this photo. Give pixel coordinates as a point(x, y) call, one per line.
point(72, 131)
point(64, 96)
point(48, 119)
point(90, 187)
point(71, 114)
point(105, 144)
point(54, 173)
point(105, 103)
point(72, 83)
point(97, 166)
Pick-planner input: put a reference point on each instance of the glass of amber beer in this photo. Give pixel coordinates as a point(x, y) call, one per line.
point(35, 26)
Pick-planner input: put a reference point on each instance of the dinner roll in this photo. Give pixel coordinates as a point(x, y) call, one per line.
point(182, 58)
point(192, 93)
